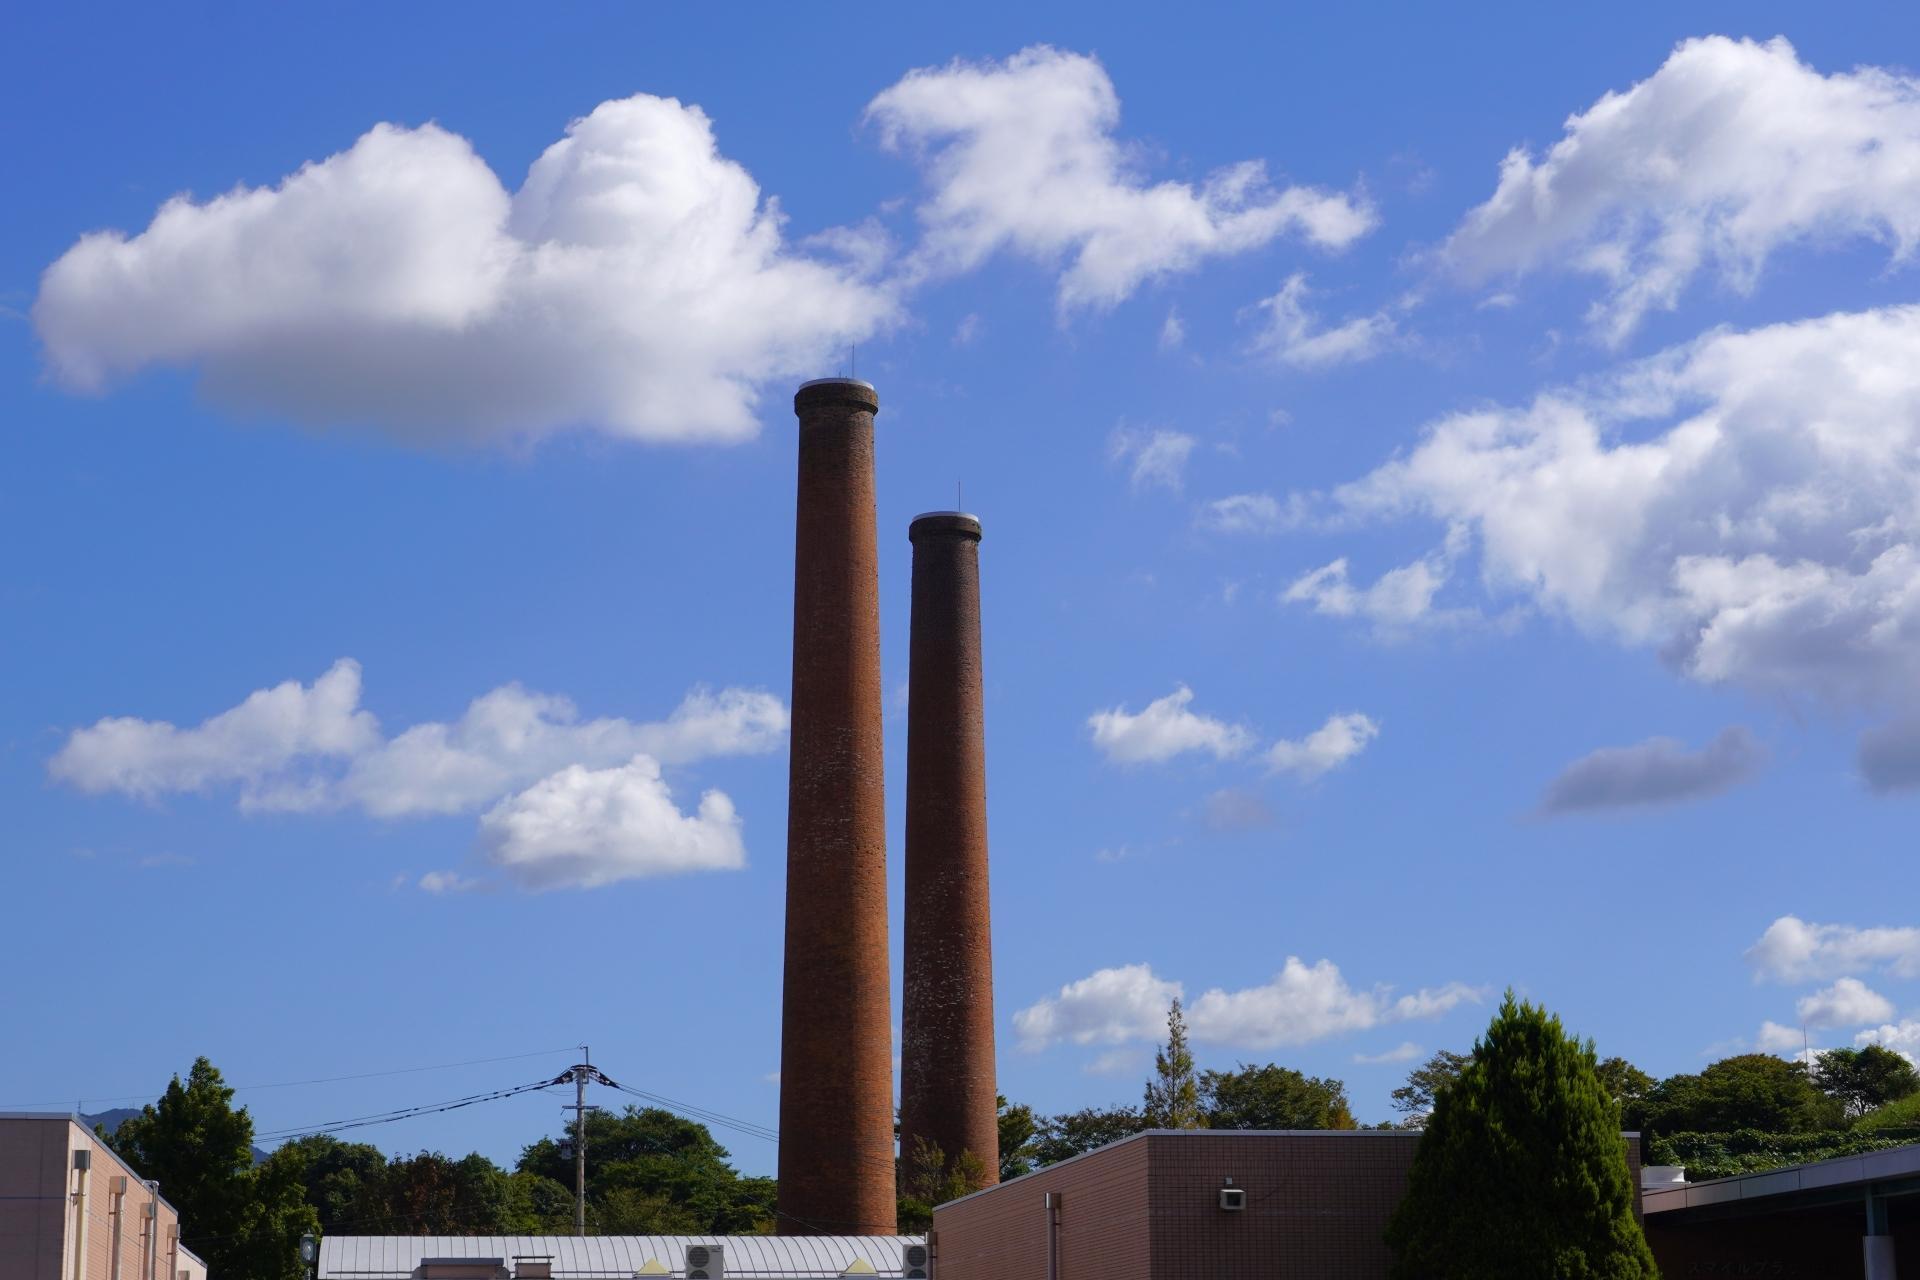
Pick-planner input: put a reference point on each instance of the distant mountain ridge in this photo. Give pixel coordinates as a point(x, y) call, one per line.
point(108, 1122)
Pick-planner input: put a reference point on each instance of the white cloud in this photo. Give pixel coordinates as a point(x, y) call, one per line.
point(1399, 598)
point(1848, 1000)
point(1792, 950)
point(1654, 772)
point(298, 748)
point(582, 828)
point(1299, 1005)
point(1164, 730)
point(1110, 1006)
point(1159, 456)
point(248, 744)
point(968, 330)
point(1406, 1051)
point(1303, 1003)
point(1902, 1037)
point(444, 882)
point(511, 737)
point(1021, 155)
point(1250, 513)
point(1785, 1041)
point(1293, 335)
point(1339, 740)
point(1744, 503)
point(1889, 754)
point(636, 283)
point(1731, 151)
point(1173, 333)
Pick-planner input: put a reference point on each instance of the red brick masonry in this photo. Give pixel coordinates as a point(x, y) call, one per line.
point(946, 1059)
point(836, 1033)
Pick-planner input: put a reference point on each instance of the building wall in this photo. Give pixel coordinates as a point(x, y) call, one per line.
point(1317, 1203)
point(37, 1212)
point(1317, 1209)
point(1002, 1234)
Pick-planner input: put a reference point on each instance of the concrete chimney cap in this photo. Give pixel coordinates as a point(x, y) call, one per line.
point(851, 391)
point(958, 522)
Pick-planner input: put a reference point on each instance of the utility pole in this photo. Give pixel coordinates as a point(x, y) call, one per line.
point(581, 1073)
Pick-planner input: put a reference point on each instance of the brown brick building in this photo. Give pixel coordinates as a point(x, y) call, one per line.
point(1314, 1207)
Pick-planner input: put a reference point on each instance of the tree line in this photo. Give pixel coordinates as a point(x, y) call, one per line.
point(653, 1172)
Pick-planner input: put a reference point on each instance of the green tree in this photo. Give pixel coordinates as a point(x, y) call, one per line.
point(1018, 1128)
point(243, 1221)
point(1414, 1099)
point(1628, 1086)
point(430, 1194)
point(1273, 1097)
point(1073, 1133)
point(1865, 1079)
point(539, 1206)
point(927, 1178)
point(1747, 1091)
point(1173, 1092)
point(1522, 1174)
point(335, 1177)
point(652, 1153)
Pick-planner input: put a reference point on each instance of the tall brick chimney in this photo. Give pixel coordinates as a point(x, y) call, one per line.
point(836, 1042)
point(947, 1088)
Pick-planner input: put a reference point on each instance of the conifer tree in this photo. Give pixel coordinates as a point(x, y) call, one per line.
point(1522, 1172)
point(1173, 1094)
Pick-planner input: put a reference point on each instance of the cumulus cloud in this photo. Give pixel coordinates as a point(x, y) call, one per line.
point(1339, 740)
point(1249, 513)
point(1902, 1037)
point(1776, 1039)
point(1109, 1006)
point(1657, 771)
point(574, 802)
point(1158, 458)
point(1291, 334)
point(1164, 730)
point(1792, 950)
point(1848, 1000)
point(581, 828)
point(1399, 598)
point(1731, 151)
point(1300, 1004)
point(1742, 503)
point(512, 736)
point(298, 748)
point(636, 283)
point(1021, 155)
point(1303, 1003)
point(250, 744)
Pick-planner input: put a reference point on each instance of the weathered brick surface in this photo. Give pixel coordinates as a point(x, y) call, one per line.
point(947, 1085)
point(836, 1067)
point(1148, 1209)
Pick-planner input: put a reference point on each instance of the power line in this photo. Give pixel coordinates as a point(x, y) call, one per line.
point(150, 1095)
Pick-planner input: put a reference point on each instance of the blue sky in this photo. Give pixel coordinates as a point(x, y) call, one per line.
point(1535, 546)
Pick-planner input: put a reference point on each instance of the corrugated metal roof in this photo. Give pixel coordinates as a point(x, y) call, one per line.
point(606, 1257)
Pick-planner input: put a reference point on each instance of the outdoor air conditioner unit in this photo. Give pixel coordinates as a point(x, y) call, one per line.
point(916, 1262)
point(706, 1261)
